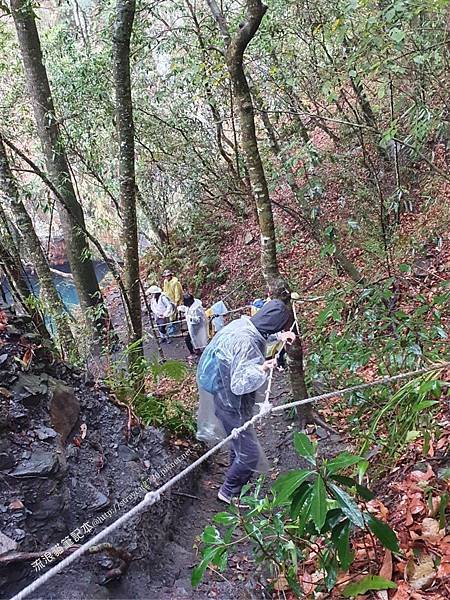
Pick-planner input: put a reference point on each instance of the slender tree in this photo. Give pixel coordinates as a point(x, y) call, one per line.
point(72, 220)
point(9, 193)
point(125, 10)
point(235, 48)
point(13, 268)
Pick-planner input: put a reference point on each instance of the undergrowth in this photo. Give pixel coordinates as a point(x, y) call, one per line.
point(148, 388)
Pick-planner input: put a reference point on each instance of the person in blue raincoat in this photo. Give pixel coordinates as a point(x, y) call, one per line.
point(231, 371)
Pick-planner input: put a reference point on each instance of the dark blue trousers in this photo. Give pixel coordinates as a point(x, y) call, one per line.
point(244, 452)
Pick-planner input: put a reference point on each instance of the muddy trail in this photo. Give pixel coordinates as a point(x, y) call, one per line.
point(172, 567)
point(95, 463)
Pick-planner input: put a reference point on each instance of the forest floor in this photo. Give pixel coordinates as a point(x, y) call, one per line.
point(171, 567)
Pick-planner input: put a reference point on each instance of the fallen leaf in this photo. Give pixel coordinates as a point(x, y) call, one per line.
point(435, 505)
point(26, 359)
point(386, 567)
point(421, 476)
point(5, 392)
point(442, 443)
point(444, 567)
point(16, 504)
point(416, 505)
point(408, 518)
point(421, 574)
point(307, 584)
point(281, 584)
point(403, 592)
point(430, 531)
point(377, 507)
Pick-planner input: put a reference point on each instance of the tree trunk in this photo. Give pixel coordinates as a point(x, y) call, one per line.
point(277, 286)
point(12, 266)
point(125, 10)
point(77, 246)
point(53, 303)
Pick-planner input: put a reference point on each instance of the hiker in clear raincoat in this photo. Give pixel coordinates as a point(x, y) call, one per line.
point(197, 336)
point(230, 373)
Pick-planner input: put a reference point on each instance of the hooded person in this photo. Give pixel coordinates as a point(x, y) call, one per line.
point(197, 336)
point(230, 373)
point(161, 308)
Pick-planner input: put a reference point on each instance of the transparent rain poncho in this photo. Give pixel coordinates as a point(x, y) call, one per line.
point(237, 351)
point(218, 309)
point(197, 324)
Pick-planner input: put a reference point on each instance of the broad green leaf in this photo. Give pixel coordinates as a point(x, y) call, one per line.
point(371, 582)
point(383, 532)
point(299, 497)
point(305, 447)
point(210, 535)
point(349, 507)
point(350, 482)
point(397, 34)
point(342, 461)
point(331, 569)
point(198, 572)
point(220, 559)
point(224, 518)
point(319, 503)
point(341, 539)
point(287, 483)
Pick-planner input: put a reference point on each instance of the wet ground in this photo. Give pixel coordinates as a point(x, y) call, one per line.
point(162, 542)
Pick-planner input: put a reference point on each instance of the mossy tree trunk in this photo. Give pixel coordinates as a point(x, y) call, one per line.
point(72, 218)
point(235, 48)
point(125, 10)
point(9, 193)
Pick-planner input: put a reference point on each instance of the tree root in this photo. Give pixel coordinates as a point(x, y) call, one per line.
point(122, 555)
point(309, 417)
point(317, 420)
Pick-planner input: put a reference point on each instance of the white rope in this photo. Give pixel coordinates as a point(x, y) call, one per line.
point(229, 312)
point(152, 497)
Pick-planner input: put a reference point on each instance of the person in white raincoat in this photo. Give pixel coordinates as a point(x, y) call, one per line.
point(197, 336)
point(230, 373)
point(162, 308)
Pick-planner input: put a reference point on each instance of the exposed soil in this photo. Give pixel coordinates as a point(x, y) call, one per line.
point(94, 463)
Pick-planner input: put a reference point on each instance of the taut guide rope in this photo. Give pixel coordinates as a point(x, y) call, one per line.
point(152, 497)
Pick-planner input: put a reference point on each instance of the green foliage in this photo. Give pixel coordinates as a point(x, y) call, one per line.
point(359, 328)
point(305, 509)
point(396, 419)
point(371, 582)
point(128, 384)
point(166, 413)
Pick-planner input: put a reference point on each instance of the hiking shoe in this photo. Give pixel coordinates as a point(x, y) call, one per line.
point(221, 496)
point(234, 500)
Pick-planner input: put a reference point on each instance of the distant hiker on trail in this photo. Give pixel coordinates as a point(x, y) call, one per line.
point(215, 315)
point(162, 308)
point(174, 291)
point(230, 373)
point(197, 336)
point(172, 287)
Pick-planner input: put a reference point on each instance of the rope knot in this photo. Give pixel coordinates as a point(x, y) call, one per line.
point(265, 407)
point(152, 497)
point(234, 433)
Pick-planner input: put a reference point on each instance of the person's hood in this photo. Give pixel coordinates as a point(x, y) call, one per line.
point(271, 318)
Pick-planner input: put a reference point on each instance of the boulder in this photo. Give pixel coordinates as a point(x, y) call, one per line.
point(6, 543)
point(38, 465)
point(64, 408)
